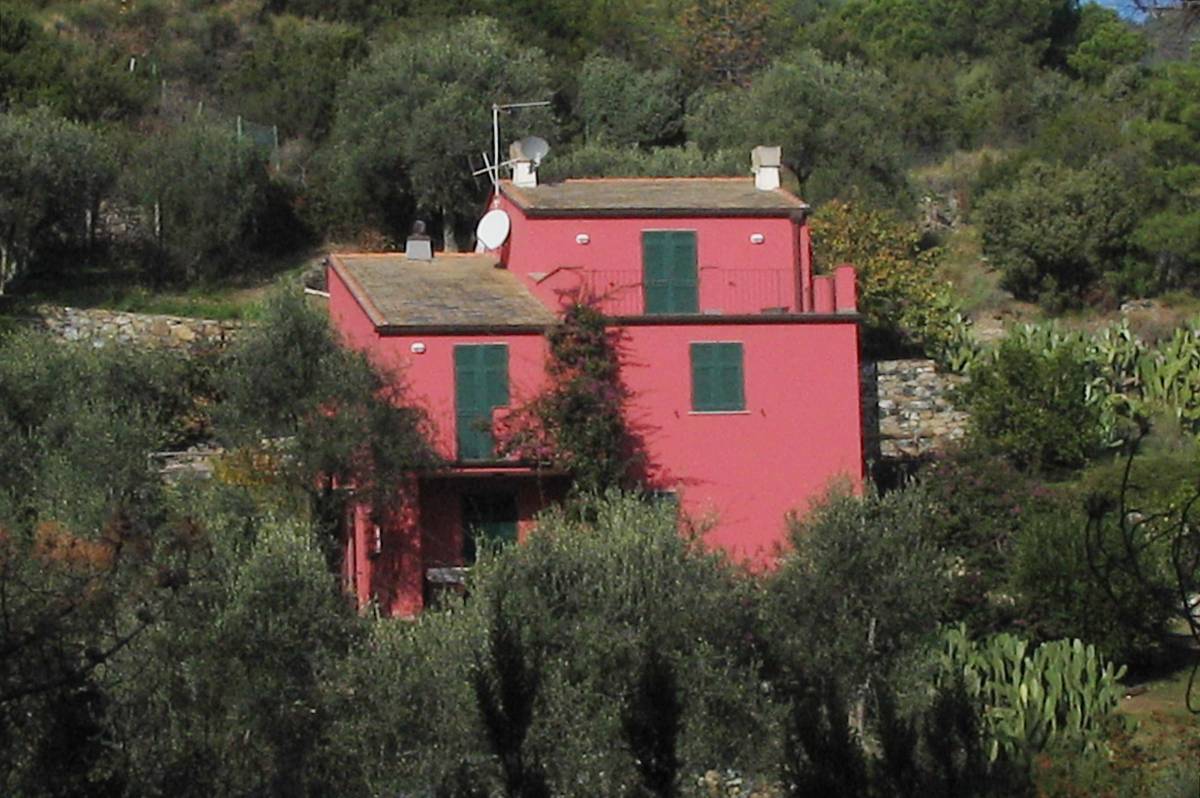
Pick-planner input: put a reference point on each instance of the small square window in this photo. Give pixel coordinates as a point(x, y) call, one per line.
point(718, 384)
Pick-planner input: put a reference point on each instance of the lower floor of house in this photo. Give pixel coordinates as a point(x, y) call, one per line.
point(402, 559)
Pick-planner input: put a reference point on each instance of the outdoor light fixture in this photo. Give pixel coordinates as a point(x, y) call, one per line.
point(418, 348)
point(757, 238)
point(582, 238)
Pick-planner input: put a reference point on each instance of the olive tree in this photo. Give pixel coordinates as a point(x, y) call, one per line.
point(300, 409)
point(832, 120)
point(413, 118)
point(53, 174)
point(622, 105)
point(202, 189)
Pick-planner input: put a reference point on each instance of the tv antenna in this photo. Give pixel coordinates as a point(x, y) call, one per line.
point(492, 167)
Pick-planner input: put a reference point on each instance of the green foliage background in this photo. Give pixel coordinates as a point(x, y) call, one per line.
point(381, 112)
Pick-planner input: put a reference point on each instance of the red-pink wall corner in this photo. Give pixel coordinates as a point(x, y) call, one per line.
point(823, 293)
point(845, 288)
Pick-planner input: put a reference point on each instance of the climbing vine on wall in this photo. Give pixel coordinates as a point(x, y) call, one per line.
point(578, 423)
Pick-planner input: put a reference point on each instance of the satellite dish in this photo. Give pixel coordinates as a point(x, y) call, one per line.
point(535, 148)
point(493, 229)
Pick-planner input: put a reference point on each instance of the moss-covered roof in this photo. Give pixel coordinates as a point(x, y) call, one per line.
point(453, 291)
point(658, 196)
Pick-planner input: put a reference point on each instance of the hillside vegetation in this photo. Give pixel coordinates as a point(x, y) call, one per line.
point(169, 143)
point(971, 632)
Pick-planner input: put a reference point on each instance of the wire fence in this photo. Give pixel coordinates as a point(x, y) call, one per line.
point(183, 107)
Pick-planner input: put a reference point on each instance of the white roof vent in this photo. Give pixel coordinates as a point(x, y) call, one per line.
point(765, 163)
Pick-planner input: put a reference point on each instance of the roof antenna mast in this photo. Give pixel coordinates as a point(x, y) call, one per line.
point(493, 167)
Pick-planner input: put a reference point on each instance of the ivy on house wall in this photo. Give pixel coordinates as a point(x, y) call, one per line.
point(578, 423)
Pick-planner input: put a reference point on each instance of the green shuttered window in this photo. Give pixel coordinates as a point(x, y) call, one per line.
point(669, 271)
point(718, 383)
point(480, 386)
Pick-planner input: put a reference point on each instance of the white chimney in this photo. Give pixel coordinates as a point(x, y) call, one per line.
point(765, 162)
point(418, 246)
point(525, 159)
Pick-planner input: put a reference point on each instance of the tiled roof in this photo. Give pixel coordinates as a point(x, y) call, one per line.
point(692, 196)
point(458, 291)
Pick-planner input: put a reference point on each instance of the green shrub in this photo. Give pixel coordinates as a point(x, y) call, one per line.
point(230, 676)
point(1059, 594)
point(206, 191)
point(1032, 406)
point(981, 503)
point(844, 144)
point(861, 594)
point(53, 173)
point(623, 106)
point(402, 704)
point(1055, 230)
point(604, 160)
point(590, 596)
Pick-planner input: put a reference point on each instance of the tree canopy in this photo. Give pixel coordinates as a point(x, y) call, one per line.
point(412, 119)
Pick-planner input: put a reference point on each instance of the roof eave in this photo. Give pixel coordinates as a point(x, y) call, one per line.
point(797, 214)
point(462, 329)
point(357, 291)
point(703, 319)
point(690, 320)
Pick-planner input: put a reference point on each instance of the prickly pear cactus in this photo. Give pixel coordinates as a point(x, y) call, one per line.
point(1061, 692)
point(1131, 381)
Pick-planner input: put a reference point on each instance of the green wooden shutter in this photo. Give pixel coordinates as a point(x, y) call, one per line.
point(718, 383)
point(683, 272)
point(480, 386)
point(702, 377)
point(491, 518)
point(655, 273)
point(669, 271)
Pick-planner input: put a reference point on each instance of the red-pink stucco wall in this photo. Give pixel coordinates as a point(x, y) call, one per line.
point(429, 376)
point(745, 470)
point(735, 275)
point(741, 472)
point(390, 568)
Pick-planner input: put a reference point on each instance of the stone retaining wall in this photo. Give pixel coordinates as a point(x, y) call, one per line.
point(907, 410)
point(103, 326)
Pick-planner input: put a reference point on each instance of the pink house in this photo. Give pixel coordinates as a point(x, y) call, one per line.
point(743, 367)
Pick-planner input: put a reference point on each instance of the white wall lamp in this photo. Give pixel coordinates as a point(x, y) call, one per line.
point(757, 238)
point(582, 238)
point(418, 348)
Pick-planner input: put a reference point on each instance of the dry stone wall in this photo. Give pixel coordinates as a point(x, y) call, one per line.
point(100, 327)
point(908, 410)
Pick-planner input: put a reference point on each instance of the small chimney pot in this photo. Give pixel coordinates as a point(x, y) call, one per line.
point(765, 163)
point(418, 246)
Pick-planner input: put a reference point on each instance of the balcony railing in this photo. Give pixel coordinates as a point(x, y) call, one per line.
point(751, 290)
point(619, 291)
point(729, 291)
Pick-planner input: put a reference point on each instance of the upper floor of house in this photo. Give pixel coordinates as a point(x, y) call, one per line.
point(664, 246)
point(710, 279)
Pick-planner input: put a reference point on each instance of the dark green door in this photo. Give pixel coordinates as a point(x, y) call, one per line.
point(489, 519)
point(480, 386)
point(669, 271)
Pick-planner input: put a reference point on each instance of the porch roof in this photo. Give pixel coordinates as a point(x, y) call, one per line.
point(452, 290)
